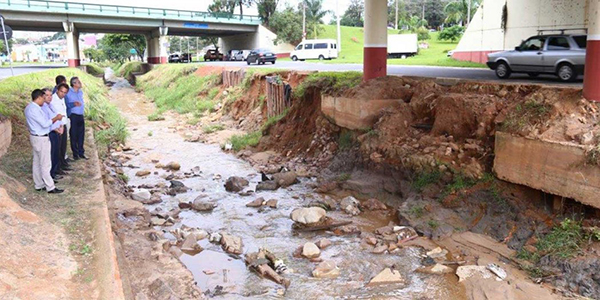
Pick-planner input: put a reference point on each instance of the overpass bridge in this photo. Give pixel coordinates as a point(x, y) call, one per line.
point(154, 23)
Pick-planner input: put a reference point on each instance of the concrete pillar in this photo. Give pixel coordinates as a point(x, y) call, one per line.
point(375, 51)
point(157, 46)
point(591, 81)
point(72, 44)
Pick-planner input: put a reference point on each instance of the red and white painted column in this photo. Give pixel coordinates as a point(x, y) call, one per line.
point(157, 46)
point(375, 51)
point(591, 81)
point(72, 44)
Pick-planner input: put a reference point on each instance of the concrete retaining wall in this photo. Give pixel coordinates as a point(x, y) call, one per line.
point(555, 168)
point(5, 135)
point(354, 113)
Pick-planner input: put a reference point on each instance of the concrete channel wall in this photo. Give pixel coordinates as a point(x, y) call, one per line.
point(5, 134)
point(555, 168)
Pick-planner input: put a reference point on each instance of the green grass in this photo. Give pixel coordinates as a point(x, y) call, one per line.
point(240, 142)
point(274, 119)
point(126, 69)
point(15, 94)
point(417, 211)
point(156, 116)
point(526, 114)
point(95, 70)
point(426, 178)
point(345, 141)
point(213, 128)
point(353, 41)
point(176, 87)
point(332, 83)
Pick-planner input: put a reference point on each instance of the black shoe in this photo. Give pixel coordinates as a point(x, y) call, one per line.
point(84, 157)
point(75, 158)
point(57, 177)
point(61, 172)
point(56, 191)
point(68, 160)
point(41, 189)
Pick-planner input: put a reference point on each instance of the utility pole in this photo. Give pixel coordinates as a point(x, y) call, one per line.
point(339, 32)
point(396, 24)
point(189, 55)
point(303, 20)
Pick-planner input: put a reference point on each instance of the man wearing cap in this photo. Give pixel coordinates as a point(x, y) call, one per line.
point(39, 127)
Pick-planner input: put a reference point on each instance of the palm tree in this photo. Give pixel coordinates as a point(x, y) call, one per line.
point(457, 11)
point(314, 11)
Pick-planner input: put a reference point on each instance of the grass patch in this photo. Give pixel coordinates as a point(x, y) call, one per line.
point(15, 94)
point(176, 87)
point(213, 128)
point(94, 70)
point(127, 69)
point(332, 83)
point(433, 224)
point(274, 119)
point(417, 211)
point(345, 141)
point(353, 41)
point(426, 178)
point(240, 142)
point(156, 116)
point(526, 114)
point(344, 177)
point(564, 241)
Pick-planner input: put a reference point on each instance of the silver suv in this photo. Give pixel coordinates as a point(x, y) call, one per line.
point(561, 55)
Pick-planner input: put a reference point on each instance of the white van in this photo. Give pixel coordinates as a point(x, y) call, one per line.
point(315, 49)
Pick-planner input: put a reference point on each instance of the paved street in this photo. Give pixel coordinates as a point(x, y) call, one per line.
point(423, 71)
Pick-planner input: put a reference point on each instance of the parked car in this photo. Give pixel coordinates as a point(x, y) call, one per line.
point(241, 55)
point(174, 58)
point(231, 54)
point(213, 55)
point(315, 49)
point(562, 55)
point(185, 58)
point(261, 56)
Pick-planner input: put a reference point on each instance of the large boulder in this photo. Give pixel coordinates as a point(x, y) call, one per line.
point(308, 215)
point(235, 184)
point(285, 179)
point(141, 195)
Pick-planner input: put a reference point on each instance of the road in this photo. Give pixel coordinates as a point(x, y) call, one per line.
point(422, 71)
point(20, 70)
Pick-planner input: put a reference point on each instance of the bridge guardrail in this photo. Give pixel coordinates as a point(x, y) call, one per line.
point(117, 10)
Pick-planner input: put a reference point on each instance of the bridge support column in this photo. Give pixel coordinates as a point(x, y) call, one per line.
point(375, 49)
point(72, 44)
point(157, 46)
point(591, 86)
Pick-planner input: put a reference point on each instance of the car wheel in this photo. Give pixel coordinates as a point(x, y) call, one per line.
point(321, 57)
point(566, 72)
point(273, 62)
point(248, 62)
point(294, 58)
point(502, 70)
point(533, 75)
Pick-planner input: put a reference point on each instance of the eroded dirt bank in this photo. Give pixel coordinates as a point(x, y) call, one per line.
point(464, 218)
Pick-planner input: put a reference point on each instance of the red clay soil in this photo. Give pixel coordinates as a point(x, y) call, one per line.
point(208, 70)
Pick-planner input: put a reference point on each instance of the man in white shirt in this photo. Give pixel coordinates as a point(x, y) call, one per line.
point(39, 127)
point(56, 130)
point(58, 103)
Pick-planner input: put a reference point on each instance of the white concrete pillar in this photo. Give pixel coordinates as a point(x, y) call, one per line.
point(157, 46)
point(72, 44)
point(375, 49)
point(591, 80)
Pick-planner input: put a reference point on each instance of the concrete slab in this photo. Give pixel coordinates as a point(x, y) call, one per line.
point(355, 113)
point(555, 168)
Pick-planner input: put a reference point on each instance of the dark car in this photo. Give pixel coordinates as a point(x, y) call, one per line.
point(261, 56)
point(185, 58)
point(213, 55)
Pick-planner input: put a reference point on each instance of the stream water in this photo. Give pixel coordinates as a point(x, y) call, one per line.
point(270, 229)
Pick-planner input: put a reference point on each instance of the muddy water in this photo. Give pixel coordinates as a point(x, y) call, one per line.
point(270, 229)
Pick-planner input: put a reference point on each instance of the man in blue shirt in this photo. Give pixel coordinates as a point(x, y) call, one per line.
point(75, 110)
point(39, 127)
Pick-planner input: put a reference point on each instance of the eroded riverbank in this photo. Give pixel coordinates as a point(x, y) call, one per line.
point(203, 170)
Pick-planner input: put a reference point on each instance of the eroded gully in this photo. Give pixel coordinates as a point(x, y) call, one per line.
point(270, 229)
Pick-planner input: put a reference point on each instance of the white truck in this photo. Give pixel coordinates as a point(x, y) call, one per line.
point(402, 45)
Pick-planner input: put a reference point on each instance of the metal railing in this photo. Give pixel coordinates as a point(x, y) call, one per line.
point(117, 10)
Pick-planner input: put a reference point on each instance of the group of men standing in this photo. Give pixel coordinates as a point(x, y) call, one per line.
point(51, 114)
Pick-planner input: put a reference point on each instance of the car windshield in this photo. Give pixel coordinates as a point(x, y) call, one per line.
point(533, 44)
point(581, 41)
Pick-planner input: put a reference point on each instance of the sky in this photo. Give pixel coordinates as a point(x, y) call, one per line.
point(202, 5)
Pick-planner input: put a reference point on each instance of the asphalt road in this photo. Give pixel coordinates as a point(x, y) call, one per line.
point(422, 71)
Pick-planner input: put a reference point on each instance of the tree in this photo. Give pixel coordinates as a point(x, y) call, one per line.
point(287, 24)
point(93, 54)
point(3, 46)
point(457, 11)
point(266, 9)
point(451, 33)
point(222, 6)
point(114, 51)
point(430, 10)
point(353, 16)
point(133, 41)
point(314, 11)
